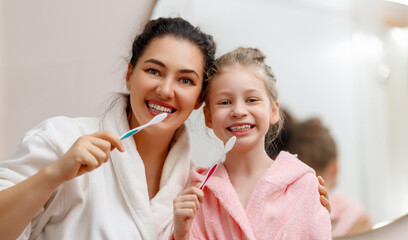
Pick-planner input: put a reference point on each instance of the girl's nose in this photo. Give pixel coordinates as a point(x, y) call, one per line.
point(165, 89)
point(239, 110)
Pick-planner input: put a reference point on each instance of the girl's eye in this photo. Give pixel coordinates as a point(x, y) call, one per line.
point(223, 102)
point(153, 71)
point(253, 100)
point(186, 81)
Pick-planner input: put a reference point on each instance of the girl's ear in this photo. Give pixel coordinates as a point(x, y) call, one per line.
point(275, 115)
point(128, 75)
point(207, 116)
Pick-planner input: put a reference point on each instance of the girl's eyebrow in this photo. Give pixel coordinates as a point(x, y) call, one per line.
point(228, 91)
point(155, 61)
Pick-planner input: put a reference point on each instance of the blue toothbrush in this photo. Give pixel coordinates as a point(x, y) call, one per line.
point(155, 120)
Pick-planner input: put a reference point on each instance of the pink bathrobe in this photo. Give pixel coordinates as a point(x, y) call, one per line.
point(285, 204)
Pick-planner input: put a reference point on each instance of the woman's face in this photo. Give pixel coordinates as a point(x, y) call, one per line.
point(168, 77)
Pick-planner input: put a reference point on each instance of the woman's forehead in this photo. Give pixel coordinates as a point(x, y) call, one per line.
point(174, 51)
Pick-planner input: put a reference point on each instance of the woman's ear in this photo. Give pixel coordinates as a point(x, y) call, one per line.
point(275, 115)
point(128, 75)
point(207, 116)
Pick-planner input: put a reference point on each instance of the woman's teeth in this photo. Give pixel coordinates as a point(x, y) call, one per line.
point(159, 109)
point(240, 128)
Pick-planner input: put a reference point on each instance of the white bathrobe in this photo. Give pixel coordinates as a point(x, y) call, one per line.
point(111, 202)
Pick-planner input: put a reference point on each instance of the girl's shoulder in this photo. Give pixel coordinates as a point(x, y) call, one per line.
point(288, 169)
point(289, 160)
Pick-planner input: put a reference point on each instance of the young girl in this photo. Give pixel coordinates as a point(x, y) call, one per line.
point(250, 196)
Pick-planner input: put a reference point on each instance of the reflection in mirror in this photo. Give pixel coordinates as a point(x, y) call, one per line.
point(342, 61)
point(314, 145)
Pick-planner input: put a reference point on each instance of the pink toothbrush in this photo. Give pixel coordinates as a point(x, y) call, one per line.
point(228, 146)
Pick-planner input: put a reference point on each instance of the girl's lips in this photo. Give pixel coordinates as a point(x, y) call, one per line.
point(156, 107)
point(240, 129)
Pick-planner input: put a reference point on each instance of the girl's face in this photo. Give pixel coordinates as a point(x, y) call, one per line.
point(168, 77)
point(239, 106)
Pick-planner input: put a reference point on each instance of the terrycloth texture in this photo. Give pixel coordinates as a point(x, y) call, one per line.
point(344, 213)
point(112, 201)
point(285, 204)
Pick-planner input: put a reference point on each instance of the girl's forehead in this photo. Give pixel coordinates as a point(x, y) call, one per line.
point(237, 78)
point(251, 73)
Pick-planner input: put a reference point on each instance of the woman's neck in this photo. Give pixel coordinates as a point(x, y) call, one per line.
point(153, 147)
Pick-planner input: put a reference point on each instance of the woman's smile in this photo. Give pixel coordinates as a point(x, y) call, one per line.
point(156, 107)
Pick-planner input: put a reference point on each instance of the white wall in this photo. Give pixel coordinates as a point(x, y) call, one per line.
point(62, 58)
point(2, 88)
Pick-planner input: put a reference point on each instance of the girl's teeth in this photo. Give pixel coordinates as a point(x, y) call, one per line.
point(158, 108)
point(240, 128)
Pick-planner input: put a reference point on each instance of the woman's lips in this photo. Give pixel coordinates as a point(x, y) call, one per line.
point(158, 108)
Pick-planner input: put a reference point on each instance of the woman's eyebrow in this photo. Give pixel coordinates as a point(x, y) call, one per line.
point(152, 60)
point(155, 61)
point(189, 71)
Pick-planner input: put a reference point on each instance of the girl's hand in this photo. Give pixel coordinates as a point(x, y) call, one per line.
point(185, 207)
point(85, 155)
point(324, 197)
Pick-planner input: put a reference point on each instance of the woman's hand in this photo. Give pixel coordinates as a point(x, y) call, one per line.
point(85, 155)
point(185, 207)
point(324, 196)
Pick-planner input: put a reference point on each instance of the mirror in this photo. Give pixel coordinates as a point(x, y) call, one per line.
point(345, 62)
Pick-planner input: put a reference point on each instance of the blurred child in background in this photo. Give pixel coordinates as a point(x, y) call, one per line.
point(315, 146)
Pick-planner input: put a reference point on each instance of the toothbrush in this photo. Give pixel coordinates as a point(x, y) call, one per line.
point(155, 120)
point(228, 146)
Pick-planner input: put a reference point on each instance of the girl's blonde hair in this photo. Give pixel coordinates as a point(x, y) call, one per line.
point(250, 57)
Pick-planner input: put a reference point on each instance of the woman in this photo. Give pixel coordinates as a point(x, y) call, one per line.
point(45, 193)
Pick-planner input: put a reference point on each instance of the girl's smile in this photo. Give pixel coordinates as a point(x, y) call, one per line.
point(240, 129)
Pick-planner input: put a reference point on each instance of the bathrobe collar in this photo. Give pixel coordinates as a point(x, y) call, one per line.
point(152, 217)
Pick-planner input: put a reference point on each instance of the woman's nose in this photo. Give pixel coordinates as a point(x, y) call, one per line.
point(165, 89)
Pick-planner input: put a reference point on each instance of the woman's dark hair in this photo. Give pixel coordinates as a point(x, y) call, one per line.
point(179, 28)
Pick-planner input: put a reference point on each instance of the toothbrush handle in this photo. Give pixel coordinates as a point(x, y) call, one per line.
point(209, 174)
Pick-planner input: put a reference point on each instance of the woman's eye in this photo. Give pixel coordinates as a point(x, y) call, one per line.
point(153, 71)
point(186, 81)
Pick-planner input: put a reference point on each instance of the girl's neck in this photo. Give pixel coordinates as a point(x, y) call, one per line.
point(244, 169)
point(251, 162)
